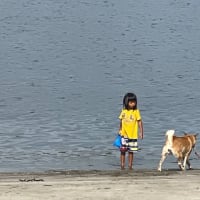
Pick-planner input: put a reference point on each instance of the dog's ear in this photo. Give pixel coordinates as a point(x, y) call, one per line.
point(196, 134)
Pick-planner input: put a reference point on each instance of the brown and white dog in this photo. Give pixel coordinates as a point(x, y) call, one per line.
point(180, 147)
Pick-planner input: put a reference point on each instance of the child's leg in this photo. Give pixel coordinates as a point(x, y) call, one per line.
point(122, 160)
point(130, 160)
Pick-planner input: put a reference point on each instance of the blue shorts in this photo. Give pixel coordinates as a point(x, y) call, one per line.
point(130, 145)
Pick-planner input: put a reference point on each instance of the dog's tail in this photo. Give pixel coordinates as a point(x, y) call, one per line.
point(169, 134)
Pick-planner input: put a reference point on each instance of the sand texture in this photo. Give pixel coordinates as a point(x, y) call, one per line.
point(110, 185)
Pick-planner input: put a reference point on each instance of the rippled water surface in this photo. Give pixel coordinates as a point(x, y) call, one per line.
point(66, 64)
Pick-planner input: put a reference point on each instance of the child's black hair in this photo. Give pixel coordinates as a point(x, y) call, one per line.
point(129, 97)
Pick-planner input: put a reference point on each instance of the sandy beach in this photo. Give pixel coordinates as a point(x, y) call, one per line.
point(74, 185)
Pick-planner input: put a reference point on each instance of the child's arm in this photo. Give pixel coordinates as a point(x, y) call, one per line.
point(120, 126)
point(141, 134)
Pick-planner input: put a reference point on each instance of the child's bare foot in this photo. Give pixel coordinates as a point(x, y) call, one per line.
point(122, 168)
point(130, 168)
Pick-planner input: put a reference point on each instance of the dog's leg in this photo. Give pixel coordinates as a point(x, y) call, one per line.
point(180, 165)
point(188, 164)
point(186, 160)
point(163, 157)
point(180, 160)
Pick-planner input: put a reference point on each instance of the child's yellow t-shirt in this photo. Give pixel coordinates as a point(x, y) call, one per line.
point(130, 120)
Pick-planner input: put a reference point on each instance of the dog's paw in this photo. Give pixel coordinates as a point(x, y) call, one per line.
point(159, 169)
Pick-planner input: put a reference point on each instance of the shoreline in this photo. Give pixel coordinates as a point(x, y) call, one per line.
point(111, 172)
point(101, 184)
point(55, 174)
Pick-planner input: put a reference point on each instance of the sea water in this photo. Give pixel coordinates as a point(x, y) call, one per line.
point(65, 66)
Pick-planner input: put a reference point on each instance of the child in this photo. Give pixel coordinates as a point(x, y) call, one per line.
point(130, 119)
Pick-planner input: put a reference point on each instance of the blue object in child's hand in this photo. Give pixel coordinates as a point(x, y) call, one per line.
point(118, 142)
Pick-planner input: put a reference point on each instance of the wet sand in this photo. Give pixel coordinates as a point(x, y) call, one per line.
point(140, 184)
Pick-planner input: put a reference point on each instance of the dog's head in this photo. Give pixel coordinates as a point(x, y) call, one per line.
point(192, 138)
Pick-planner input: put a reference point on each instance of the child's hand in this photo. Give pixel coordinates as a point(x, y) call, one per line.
point(141, 136)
